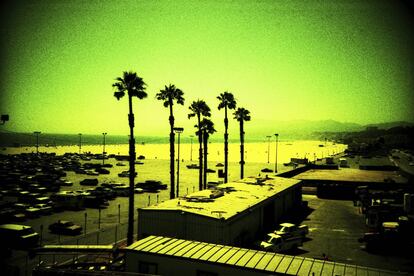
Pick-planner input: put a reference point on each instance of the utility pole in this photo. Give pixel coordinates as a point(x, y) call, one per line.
point(178, 130)
point(103, 151)
point(37, 141)
point(191, 147)
point(268, 148)
point(277, 140)
point(80, 143)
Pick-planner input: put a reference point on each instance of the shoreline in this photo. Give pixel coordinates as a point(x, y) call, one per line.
point(254, 151)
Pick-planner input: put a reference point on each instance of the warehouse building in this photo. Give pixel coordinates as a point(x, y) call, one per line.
point(235, 213)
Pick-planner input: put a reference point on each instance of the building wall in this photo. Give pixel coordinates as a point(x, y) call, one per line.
point(239, 230)
point(167, 265)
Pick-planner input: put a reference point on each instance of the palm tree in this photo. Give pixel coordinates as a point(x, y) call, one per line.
point(135, 87)
point(169, 95)
point(207, 128)
point(227, 101)
point(242, 115)
point(199, 108)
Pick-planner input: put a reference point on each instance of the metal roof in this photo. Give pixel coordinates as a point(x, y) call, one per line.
point(266, 262)
point(238, 197)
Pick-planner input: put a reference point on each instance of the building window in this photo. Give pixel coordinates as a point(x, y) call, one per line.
point(206, 273)
point(149, 268)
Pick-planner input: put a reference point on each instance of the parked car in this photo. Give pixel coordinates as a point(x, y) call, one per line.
point(65, 227)
point(89, 182)
point(289, 230)
point(18, 236)
point(277, 243)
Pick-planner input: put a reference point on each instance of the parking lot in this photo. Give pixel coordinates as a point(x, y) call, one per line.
point(334, 229)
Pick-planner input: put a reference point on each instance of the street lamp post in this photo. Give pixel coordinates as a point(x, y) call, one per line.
point(191, 147)
point(277, 141)
point(103, 151)
point(37, 141)
point(80, 143)
point(178, 130)
point(268, 148)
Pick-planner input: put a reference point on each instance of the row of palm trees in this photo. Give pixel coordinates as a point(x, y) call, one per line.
point(132, 85)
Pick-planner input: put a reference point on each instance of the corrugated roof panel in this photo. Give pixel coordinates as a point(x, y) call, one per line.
point(306, 267)
point(361, 271)
point(194, 250)
point(146, 242)
point(246, 257)
point(210, 253)
point(255, 259)
point(273, 264)
point(219, 253)
point(203, 250)
point(328, 268)
point(350, 270)
point(228, 255)
point(339, 269)
point(170, 246)
point(264, 261)
point(295, 265)
point(235, 258)
point(284, 264)
point(186, 249)
point(317, 267)
point(372, 272)
point(179, 247)
point(159, 243)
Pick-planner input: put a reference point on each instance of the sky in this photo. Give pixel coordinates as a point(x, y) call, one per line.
point(344, 60)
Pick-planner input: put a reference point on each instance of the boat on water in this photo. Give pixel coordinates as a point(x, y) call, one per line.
point(219, 165)
point(139, 163)
point(267, 170)
point(210, 171)
point(193, 166)
point(151, 186)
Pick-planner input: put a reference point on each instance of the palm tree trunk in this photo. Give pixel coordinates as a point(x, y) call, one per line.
point(205, 139)
point(241, 149)
point(172, 192)
point(226, 149)
point(130, 233)
point(200, 156)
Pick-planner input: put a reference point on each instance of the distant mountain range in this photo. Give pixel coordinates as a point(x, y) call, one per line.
point(256, 131)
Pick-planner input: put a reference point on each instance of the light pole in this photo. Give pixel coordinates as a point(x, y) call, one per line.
point(178, 130)
point(37, 141)
point(103, 151)
point(80, 143)
point(276, 140)
point(268, 148)
point(191, 147)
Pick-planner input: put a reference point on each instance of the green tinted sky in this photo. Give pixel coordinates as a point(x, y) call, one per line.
point(343, 60)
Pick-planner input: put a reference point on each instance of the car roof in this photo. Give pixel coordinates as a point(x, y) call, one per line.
point(287, 224)
point(14, 226)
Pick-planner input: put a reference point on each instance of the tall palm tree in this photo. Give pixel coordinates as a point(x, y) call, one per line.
point(170, 94)
point(227, 101)
point(135, 87)
point(242, 115)
point(199, 108)
point(207, 128)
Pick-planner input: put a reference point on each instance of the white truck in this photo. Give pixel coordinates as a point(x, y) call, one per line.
point(278, 243)
point(290, 230)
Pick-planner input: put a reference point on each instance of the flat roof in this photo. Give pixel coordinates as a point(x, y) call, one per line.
point(238, 196)
point(350, 175)
point(248, 258)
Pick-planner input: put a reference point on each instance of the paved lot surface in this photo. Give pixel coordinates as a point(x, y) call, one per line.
point(334, 229)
